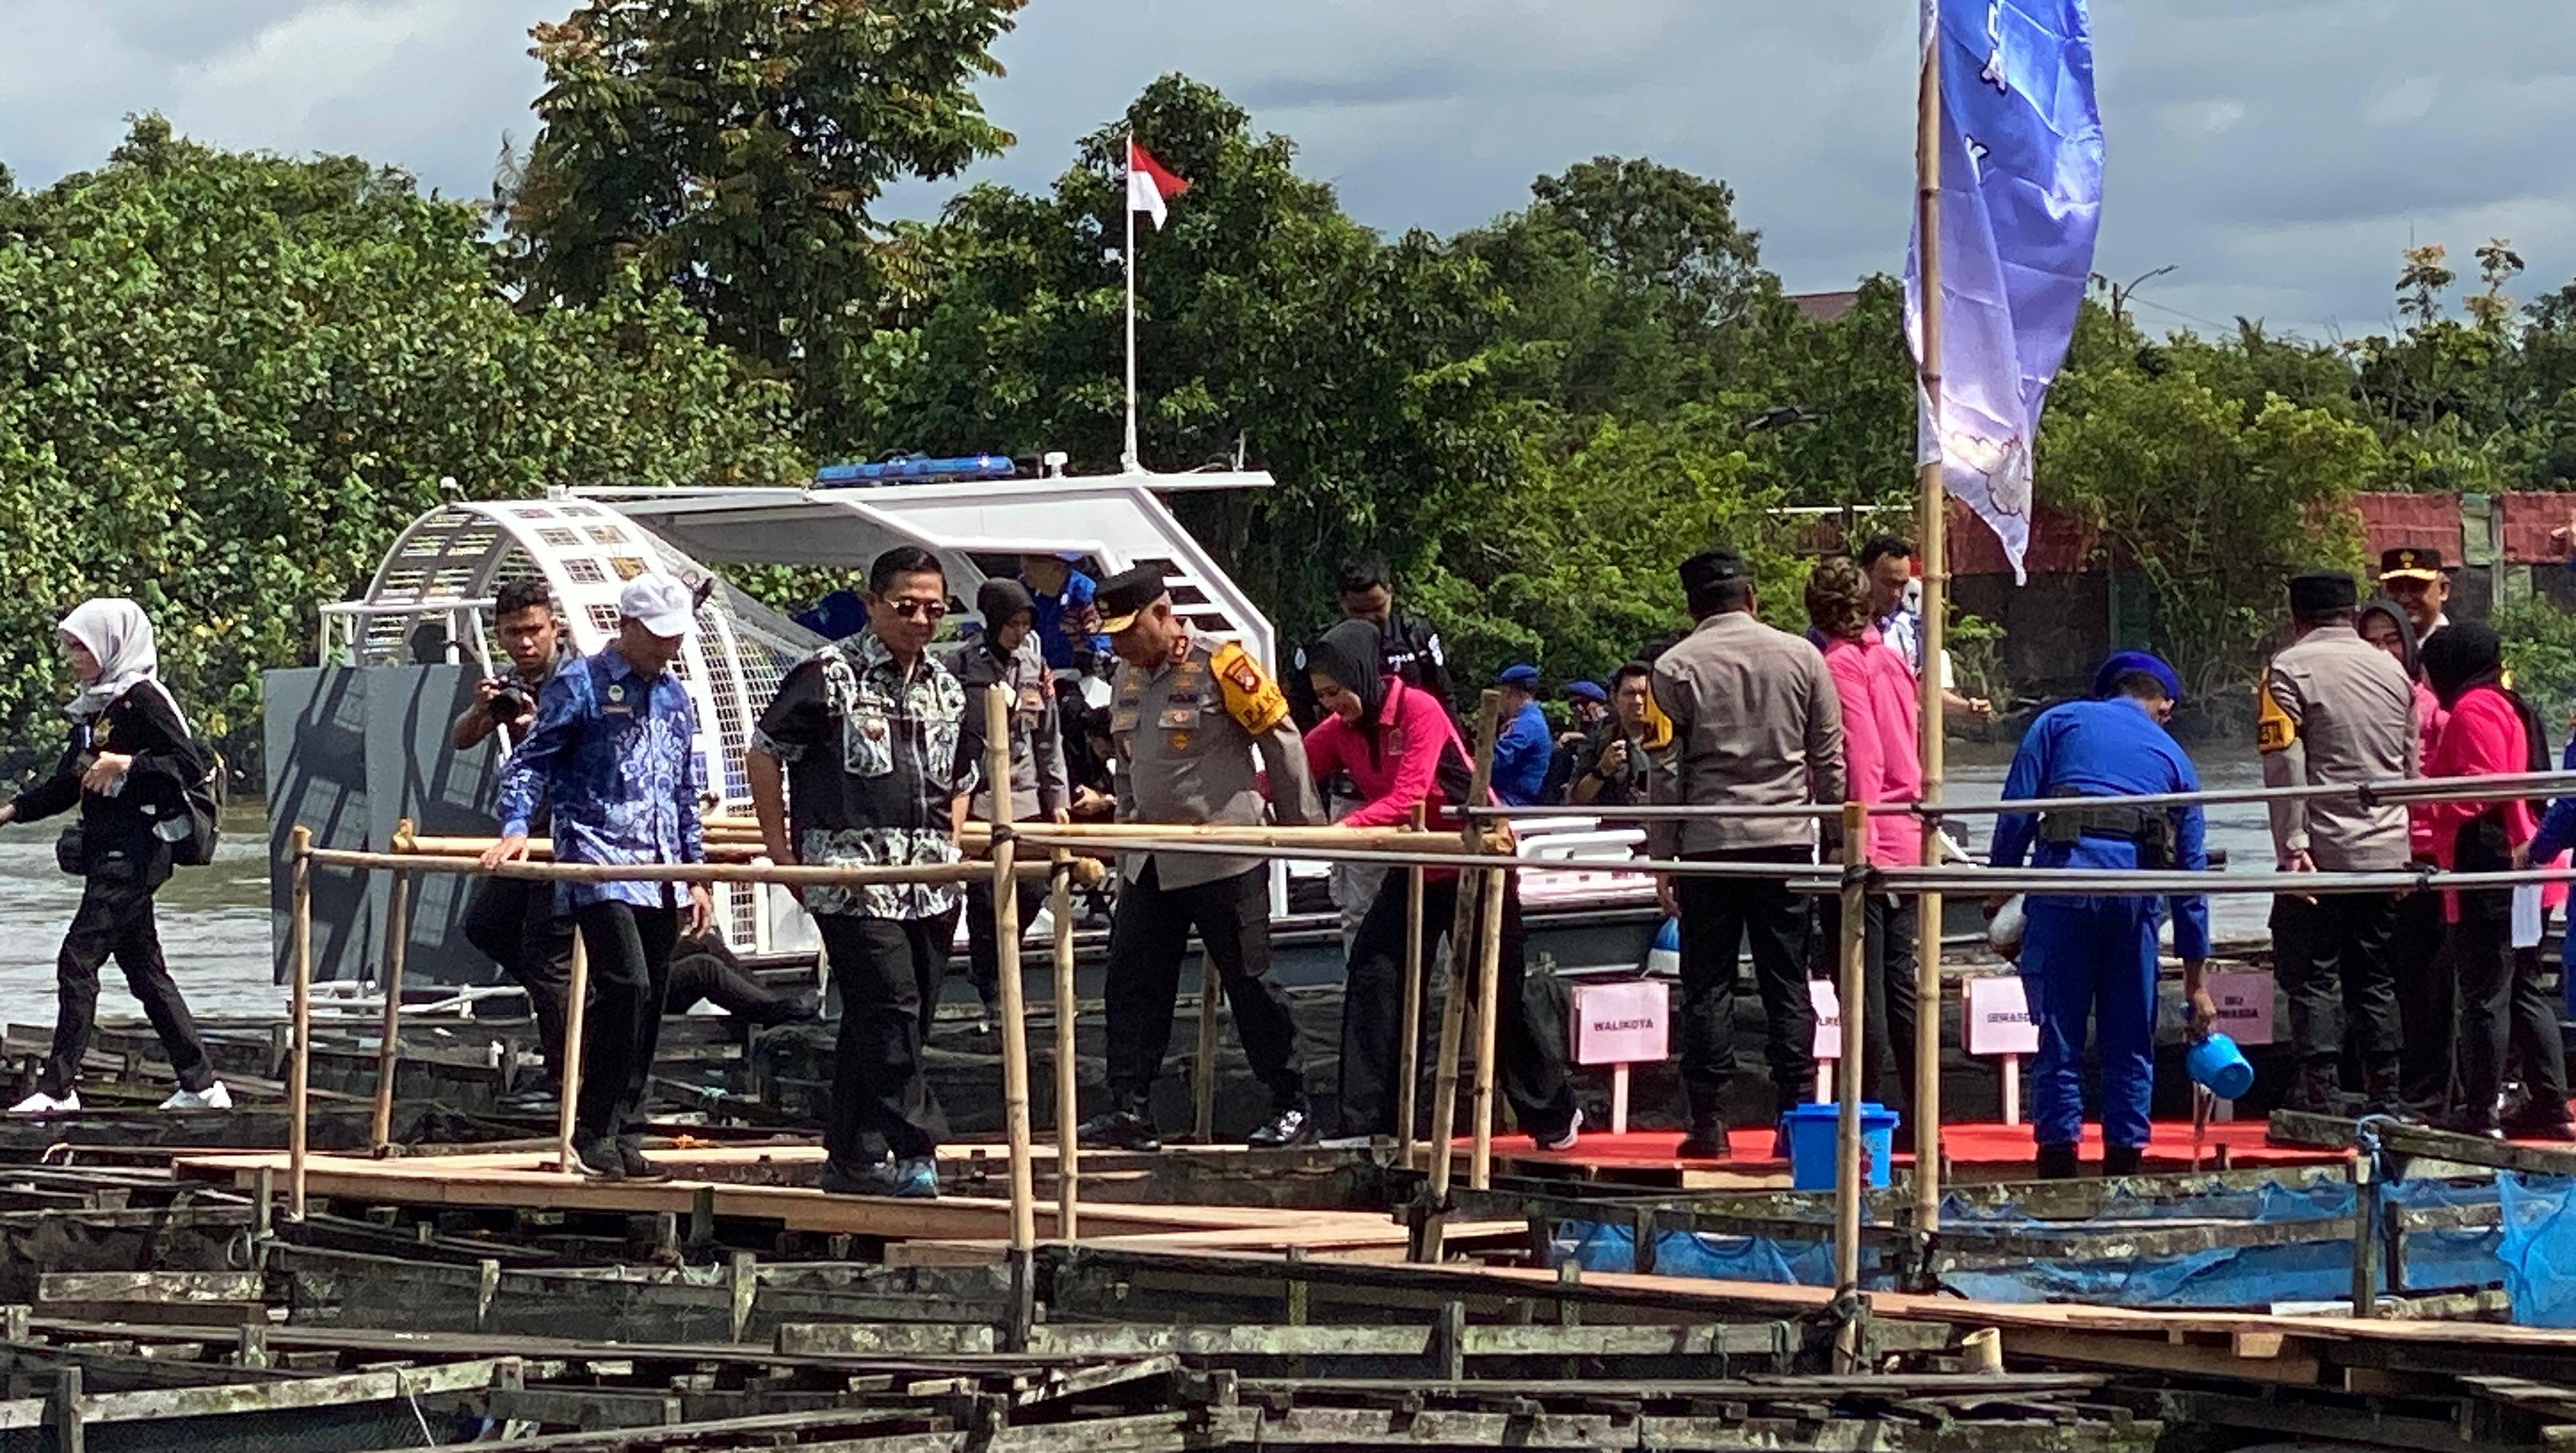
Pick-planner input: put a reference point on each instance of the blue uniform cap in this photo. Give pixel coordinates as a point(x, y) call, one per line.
point(1587, 691)
point(2124, 662)
point(1521, 675)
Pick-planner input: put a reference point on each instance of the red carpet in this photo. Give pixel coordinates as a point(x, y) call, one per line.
point(1972, 1146)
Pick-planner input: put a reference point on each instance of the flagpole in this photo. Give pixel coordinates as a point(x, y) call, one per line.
point(1934, 530)
point(1130, 460)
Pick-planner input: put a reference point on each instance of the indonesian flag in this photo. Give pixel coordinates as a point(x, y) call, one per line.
point(1150, 184)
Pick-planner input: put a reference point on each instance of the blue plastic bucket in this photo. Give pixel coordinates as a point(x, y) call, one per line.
point(1664, 955)
point(2217, 1065)
point(1812, 1131)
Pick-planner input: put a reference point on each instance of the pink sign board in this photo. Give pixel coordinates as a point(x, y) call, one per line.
point(1622, 1023)
point(2244, 1006)
point(1998, 1018)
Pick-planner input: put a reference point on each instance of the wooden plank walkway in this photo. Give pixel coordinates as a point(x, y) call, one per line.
point(526, 1179)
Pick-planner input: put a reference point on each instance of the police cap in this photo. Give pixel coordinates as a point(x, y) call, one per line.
point(1126, 595)
point(2322, 592)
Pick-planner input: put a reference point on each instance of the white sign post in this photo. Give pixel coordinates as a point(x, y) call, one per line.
point(1829, 1035)
point(1618, 1025)
point(1999, 1025)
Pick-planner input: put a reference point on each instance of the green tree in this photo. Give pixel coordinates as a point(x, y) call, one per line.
point(227, 380)
point(733, 148)
point(2213, 499)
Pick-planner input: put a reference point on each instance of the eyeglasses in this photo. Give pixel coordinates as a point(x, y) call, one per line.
point(918, 610)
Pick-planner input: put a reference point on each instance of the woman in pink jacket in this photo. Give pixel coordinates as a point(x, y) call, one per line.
point(2490, 733)
point(1402, 751)
point(1883, 762)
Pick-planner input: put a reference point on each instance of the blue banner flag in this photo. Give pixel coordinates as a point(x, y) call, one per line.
point(2021, 200)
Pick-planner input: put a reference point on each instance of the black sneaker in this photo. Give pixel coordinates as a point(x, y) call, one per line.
point(2059, 1163)
point(2538, 1124)
point(631, 1161)
point(1291, 1126)
point(2123, 1160)
point(598, 1160)
point(1120, 1130)
point(1706, 1142)
point(2482, 1126)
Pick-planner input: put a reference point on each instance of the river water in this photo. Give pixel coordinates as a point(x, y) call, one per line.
point(215, 922)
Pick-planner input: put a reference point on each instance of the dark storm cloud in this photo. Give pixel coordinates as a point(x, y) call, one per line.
point(2278, 152)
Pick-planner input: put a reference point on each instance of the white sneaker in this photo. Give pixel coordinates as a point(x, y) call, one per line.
point(1573, 1132)
point(41, 1103)
point(212, 1097)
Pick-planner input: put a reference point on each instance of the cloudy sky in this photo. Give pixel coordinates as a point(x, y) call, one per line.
point(2277, 153)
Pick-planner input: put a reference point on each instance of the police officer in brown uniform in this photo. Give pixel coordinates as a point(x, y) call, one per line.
point(1190, 716)
point(2336, 709)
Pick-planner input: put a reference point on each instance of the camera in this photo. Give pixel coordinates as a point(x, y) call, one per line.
point(510, 701)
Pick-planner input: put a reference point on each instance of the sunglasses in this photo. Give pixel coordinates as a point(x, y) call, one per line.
point(918, 610)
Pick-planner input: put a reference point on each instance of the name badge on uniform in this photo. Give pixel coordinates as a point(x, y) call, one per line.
point(617, 705)
point(1123, 720)
point(1181, 698)
point(1178, 718)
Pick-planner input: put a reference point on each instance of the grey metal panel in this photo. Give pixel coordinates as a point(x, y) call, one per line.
point(352, 751)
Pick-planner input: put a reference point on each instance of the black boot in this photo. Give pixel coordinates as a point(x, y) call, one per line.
point(2381, 1094)
point(2057, 1163)
point(1707, 1141)
point(2314, 1091)
point(2122, 1160)
point(1128, 1125)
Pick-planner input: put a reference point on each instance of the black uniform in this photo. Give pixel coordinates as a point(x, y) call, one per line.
point(123, 859)
point(1412, 652)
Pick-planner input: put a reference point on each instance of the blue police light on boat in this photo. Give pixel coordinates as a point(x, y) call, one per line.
point(915, 468)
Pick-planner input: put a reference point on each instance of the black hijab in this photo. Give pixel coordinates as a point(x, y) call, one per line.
point(2461, 657)
point(1353, 654)
point(2409, 650)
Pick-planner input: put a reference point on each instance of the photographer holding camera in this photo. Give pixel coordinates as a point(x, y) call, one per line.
point(513, 920)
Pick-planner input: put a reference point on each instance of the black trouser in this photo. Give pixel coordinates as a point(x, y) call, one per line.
point(630, 969)
point(1148, 935)
point(886, 970)
point(983, 951)
point(2502, 1008)
point(1717, 915)
point(2427, 1001)
point(704, 968)
point(513, 922)
point(1531, 1050)
point(116, 919)
point(1888, 948)
point(2335, 959)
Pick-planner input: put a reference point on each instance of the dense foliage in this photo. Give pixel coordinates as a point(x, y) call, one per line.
point(226, 380)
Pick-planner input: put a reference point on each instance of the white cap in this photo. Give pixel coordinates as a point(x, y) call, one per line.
point(658, 603)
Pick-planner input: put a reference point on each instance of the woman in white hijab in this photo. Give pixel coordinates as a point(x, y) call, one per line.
point(128, 767)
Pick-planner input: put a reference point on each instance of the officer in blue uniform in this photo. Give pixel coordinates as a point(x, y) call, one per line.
point(2089, 958)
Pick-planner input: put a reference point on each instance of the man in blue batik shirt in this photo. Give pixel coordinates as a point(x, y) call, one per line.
point(613, 750)
point(2086, 958)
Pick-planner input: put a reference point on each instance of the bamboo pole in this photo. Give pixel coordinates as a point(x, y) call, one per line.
point(1854, 960)
point(542, 850)
point(1489, 974)
point(389, 1034)
point(1006, 947)
point(1068, 1136)
point(576, 1016)
point(802, 874)
point(1121, 834)
point(1926, 1106)
point(1453, 1007)
point(1408, 1055)
point(299, 1065)
point(1203, 1071)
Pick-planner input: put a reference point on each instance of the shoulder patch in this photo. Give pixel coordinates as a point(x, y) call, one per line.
point(2273, 729)
point(1251, 697)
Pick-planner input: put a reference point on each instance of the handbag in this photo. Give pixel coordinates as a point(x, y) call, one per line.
point(71, 852)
